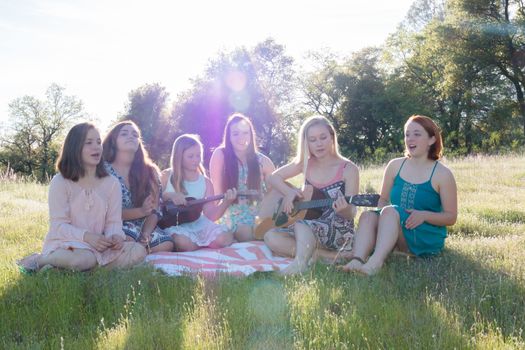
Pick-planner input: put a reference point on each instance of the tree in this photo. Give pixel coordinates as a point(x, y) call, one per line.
point(34, 127)
point(147, 108)
point(493, 33)
point(257, 82)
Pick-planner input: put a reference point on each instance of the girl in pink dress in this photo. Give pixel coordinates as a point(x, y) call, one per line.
point(85, 208)
point(184, 179)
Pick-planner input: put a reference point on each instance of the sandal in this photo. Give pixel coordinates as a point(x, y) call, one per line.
point(29, 264)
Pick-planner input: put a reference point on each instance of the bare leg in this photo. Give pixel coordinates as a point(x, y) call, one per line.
point(365, 239)
point(305, 247)
point(183, 243)
point(280, 243)
point(163, 247)
point(132, 254)
point(222, 240)
point(244, 233)
point(388, 233)
point(76, 259)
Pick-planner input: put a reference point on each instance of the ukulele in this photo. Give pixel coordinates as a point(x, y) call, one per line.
point(173, 215)
point(271, 213)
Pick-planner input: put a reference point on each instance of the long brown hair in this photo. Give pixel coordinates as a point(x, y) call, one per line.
point(180, 145)
point(69, 162)
point(230, 178)
point(144, 174)
point(435, 150)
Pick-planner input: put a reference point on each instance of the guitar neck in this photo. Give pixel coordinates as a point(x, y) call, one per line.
point(205, 200)
point(249, 193)
point(317, 203)
point(368, 200)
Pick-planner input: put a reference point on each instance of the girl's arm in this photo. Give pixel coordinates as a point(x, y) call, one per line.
point(267, 169)
point(217, 170)
point(449, 201)
point(59, 213)
point(139, 212)
point(388, 181)
point(351, 179)
point(276, 180)
point(176, 198)
point(113, 224)
point(151, 220)
point(215, 211)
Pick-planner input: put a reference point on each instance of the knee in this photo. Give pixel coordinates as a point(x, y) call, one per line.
point(389, 211)
point(183, 244)
point(269, 238)
point(136, 253)
point(368, 216)
point(82, 263)
point(163, 247)
point(223, 240)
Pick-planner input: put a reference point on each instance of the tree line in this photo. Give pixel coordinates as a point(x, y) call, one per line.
point(462, 62)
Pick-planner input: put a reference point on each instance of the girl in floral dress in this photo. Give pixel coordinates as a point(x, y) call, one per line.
point(236, 163)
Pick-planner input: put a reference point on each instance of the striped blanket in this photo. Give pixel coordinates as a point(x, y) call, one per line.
point(239, 259)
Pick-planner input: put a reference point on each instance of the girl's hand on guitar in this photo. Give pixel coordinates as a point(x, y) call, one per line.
point(289, 199)
point(178, 198)
point(148, 206)
point(230, 195)
point(340, 203)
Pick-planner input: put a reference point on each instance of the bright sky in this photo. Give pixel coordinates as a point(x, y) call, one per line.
point(101, 50)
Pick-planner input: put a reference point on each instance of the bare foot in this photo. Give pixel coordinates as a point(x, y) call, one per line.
point(370, 268)
point(30, 263)
point(294, 268)
point(355, 264)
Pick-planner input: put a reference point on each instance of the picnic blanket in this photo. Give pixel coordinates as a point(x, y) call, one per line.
point(239, 259)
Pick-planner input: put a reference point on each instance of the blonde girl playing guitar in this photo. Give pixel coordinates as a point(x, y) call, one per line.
point(319, 161)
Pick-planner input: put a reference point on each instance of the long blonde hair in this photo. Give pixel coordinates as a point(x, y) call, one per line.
point(180, 145)
point(303, 151)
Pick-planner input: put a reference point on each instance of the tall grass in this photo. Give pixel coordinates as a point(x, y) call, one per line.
point(472, 296)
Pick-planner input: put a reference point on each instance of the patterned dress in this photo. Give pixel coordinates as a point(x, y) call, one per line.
point(244, 211)
point(133, 228)
point(331, 230)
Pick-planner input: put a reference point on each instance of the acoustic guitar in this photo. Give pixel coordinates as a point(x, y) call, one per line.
point(173, 215)
point(271, 213)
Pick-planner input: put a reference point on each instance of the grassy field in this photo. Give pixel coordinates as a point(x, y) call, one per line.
point(472, 296)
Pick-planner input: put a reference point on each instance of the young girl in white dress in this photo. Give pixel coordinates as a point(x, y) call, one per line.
point(186, 178)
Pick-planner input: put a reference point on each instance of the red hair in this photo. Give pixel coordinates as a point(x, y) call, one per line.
point(435, 150)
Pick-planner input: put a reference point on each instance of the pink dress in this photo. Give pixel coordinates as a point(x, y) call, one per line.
point(74, 210)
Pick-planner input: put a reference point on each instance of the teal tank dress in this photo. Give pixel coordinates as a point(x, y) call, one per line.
point(426, 239)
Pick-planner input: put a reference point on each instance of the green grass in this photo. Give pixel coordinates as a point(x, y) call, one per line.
point(472, 296)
